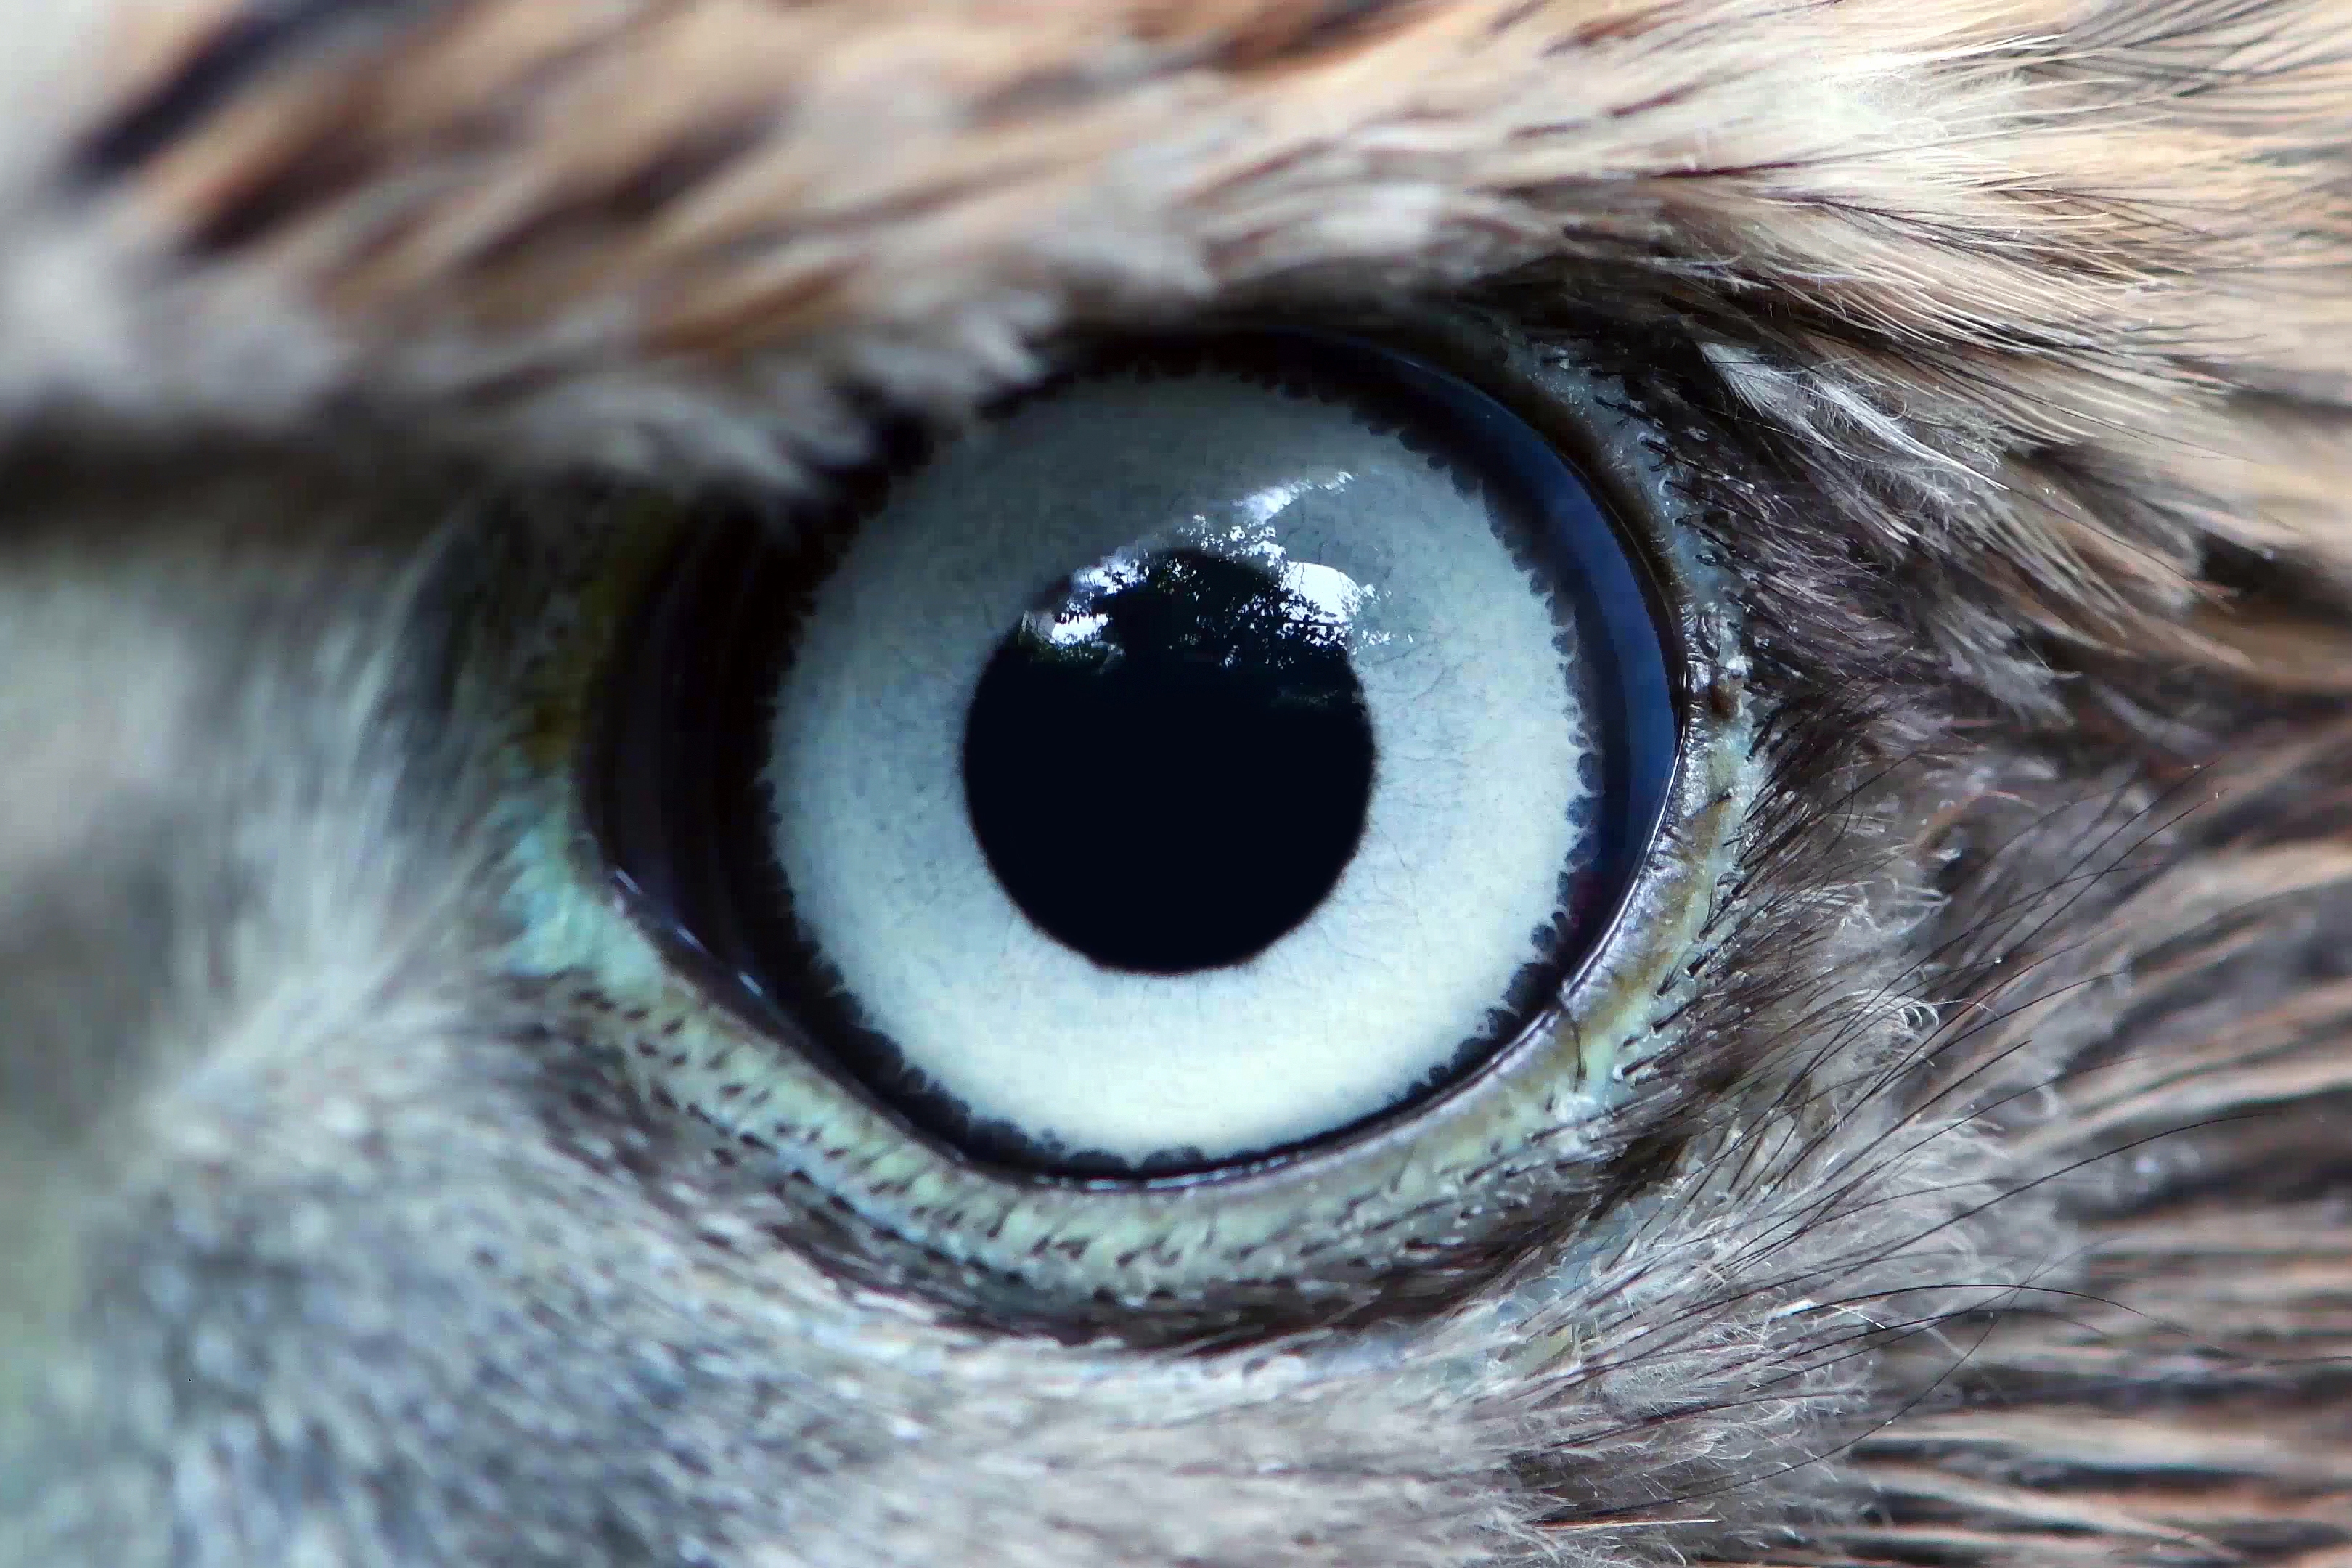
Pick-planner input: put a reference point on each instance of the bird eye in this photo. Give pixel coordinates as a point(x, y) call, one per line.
point(1218, 751)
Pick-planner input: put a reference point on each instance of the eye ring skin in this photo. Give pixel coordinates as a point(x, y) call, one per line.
point(687, 718)
point(1522, 1134)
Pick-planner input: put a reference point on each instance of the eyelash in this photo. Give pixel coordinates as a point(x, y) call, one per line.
point(1177, 1258)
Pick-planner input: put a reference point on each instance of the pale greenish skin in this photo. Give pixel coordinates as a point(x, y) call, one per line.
point(1180, 1238)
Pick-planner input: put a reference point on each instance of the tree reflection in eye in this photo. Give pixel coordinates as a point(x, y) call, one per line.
point(1169, 765)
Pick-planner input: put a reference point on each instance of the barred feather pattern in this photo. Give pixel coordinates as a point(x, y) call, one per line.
point(1991, 1202)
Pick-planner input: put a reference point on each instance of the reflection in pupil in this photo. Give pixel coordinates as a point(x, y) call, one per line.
point(1168, 769)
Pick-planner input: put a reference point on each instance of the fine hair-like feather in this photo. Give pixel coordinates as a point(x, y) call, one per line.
point(1989, 1203)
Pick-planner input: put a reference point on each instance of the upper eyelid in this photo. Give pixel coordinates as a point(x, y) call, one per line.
point(551, 377)
point(428, 267)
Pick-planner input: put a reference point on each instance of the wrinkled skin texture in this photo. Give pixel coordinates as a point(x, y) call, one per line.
point(1987, 1205)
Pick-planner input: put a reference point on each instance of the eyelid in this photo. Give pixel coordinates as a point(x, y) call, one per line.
point(1526, 1135)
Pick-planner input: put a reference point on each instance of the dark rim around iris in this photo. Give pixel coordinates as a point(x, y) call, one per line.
point(674, 772)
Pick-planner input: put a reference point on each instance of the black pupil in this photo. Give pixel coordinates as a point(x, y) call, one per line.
point(1170, 772)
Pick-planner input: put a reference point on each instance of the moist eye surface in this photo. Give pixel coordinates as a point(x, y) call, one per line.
point(1167, 767)
point(1222, 748)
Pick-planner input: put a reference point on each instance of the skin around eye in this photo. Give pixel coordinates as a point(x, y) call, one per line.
point(1224, 747)
point(638, 653)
